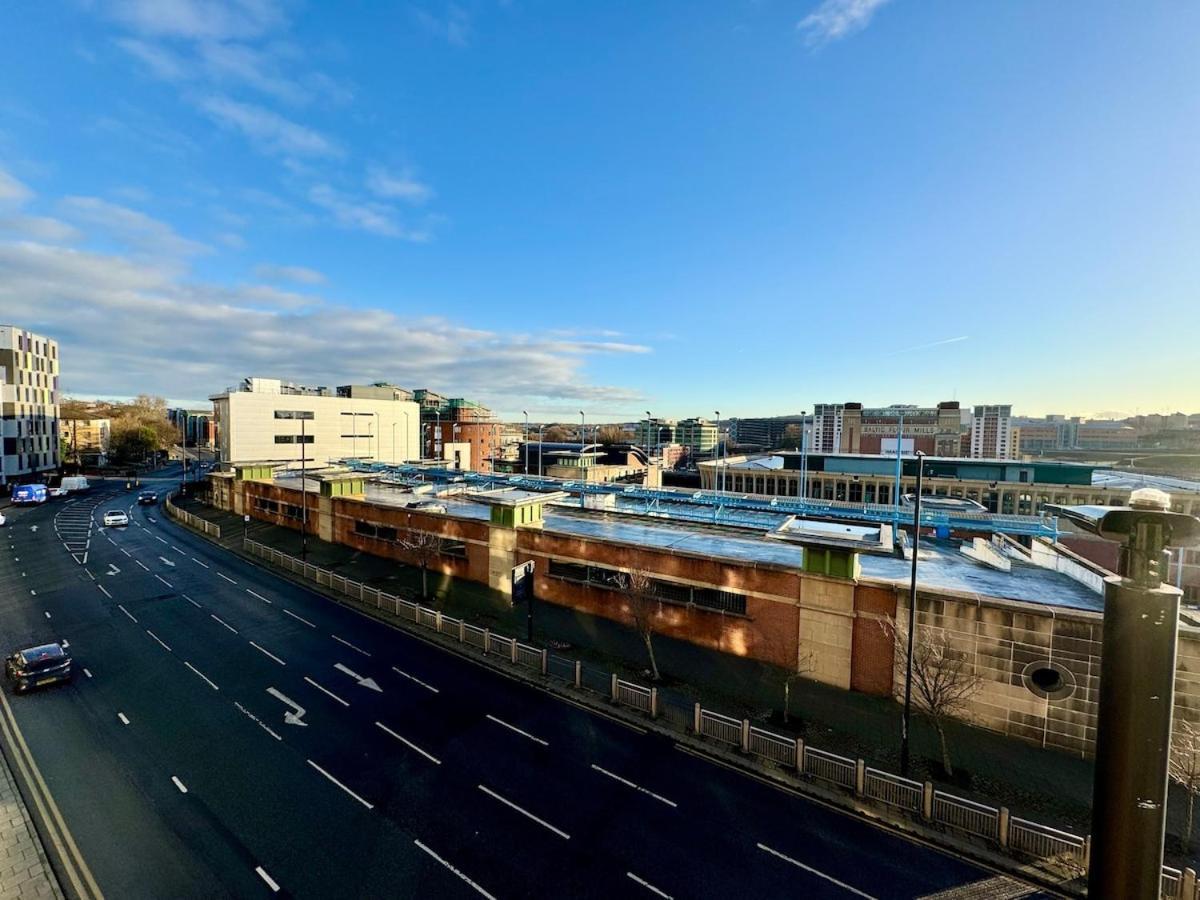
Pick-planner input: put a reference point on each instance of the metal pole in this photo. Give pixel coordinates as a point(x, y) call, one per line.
point(526, 412)
point(303, 493)
point(717, 479)
point(582, 444)
point(541, 431)
point(803, 455)
point(912, 618)
point(437, 435)
point(899, 456)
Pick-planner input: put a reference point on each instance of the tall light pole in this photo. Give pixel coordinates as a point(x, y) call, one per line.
point(526, 440)
point(582, 445)
point(304, 416)
point(804, 454)
point(912, 617)
point(454, 440)
point(541, 431)
point(649, 425)
point(437, 434)
point(718, 476)
point(407, 451)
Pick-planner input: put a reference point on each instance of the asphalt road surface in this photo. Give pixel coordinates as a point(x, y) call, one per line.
point(231, 734)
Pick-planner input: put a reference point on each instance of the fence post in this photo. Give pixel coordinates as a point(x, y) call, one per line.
point(1187, 884)
point(927, 800)
point(437, 622)
point(654, 703)
point(860, 777)
point(545, 661)
point(462, 630)
point(512, 646)
point(1002, 827)
point(487, 640)
point(696, 719)
point(578, 674)
point(800, 755)
point(397, 598)
point(378, 599)
point(613, 685)
point(1087, 852)
point(745, 735)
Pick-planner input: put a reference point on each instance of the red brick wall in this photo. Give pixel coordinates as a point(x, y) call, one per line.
point(872, 654)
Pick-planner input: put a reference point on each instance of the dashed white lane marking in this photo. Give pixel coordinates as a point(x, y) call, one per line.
point(32, 592)
point(267, 653)
point(177, 550)
point(526, 813)
point(342, 786)
point(259, 596)
point(164, 581)
point(271, 883)
point(124, 718)
point(288, 612)
point(127, 612)
point(197, 562)
point(410, 745)
point(636, 787)
point(526, 734)
point(160, 540)
point(326, 691)
point(89, 574)
point(428, 687)
point(152, 519)
point(223, 622)
point(87, 672)
point(817, 872)
point(142, 564)
point(179, 784)
point(104, 592)
point(191, 601)
point(648, 886)
point(202, 675)
point(350, 645)
point(47, 614)
point(157, 638)
point(227, 578)
point(127, 553)
point(457, 872)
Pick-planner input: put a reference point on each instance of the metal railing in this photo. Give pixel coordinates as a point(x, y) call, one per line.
point(191, 521)
point(1061, 850)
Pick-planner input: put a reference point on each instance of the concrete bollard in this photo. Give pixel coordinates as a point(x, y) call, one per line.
point(578, 674)
point(860, 777)
point(613, 687)
point(927, 800)
point(800, 755)
point(696, 719)
point(745, 735)
point(654, 703)
point(1002, 827)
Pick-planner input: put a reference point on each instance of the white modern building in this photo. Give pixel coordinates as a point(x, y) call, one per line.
point(827, 427)
point(28, 404)
point(268, 420)
point(992, 433)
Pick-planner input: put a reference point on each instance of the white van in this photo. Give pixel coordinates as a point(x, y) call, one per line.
point(75, 483)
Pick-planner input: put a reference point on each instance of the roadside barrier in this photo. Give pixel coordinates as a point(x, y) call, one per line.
point(194, 522)
point(1062, 853)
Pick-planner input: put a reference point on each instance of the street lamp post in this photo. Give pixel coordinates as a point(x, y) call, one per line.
point(437, 434)
point(541, 431)
point(582, 445)
point(803, 455)
point(525, 442)
point(718, 476)
point(912, 617)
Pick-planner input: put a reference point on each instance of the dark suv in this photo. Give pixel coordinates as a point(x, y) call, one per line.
point(147, 498)
point(38, 666)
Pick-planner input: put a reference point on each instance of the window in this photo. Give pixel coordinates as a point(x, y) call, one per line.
point(568, 571)
point(725, 601)
point(293, 439)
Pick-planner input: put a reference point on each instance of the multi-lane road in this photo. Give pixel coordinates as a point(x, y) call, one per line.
point(230, 734)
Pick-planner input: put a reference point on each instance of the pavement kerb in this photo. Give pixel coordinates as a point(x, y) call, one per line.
point(932, 837)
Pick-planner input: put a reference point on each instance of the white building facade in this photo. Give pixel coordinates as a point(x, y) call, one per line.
point(267, 420)
point(29, 371)
point(827, 427)
point(992, 433)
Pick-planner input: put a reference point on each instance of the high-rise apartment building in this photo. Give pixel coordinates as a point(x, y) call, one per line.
point(698, 435)
point(827, 427)
point(29, 370)
point(992, 433)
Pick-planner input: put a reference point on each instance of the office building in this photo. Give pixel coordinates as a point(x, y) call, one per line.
point(766, 433)
point(698, 435)
point(827, 427)
point(992, 433)
point(655, 433)
point(29, 397)
point(462, 432)
point(85, 440)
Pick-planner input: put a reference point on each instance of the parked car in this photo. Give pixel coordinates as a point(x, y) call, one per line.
point(115, 518)
point(38, 666)
point(147, 498)
point(59, 491)
point(75, 483)
point(2, 520)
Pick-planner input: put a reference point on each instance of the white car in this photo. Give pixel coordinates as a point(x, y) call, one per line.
point(58, 492)
point(114, 517)
point(2, 519)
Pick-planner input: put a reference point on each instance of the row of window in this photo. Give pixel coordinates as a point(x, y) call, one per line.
point(666, 591)
point(447, 547)
point(293, 439)
point(275, 508)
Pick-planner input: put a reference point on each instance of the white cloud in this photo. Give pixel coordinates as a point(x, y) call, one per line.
point(454, 27)
point(374, 218)
point(162, 63)
point(294, 274)
point(836, 19)
point(135, 230)
point(39, 228)
point(397, 186)
point(12, 192)
point(176, 337)
point(232, 240)
point(218, 20)
point(268, 131)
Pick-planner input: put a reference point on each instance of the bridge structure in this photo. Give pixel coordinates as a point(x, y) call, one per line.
point(718, 507)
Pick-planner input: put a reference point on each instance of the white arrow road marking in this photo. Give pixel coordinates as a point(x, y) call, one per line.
point(167, 562)
point(112, 570)
point(363, 682)
point(33, 528)
point(294, 715)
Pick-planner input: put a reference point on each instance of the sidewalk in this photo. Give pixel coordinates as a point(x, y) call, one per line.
point(1044, 785)
point(24, 871)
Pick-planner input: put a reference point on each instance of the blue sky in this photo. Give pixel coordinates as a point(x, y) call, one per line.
point(751, 205)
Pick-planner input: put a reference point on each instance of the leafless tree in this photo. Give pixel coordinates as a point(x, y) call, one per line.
point(612, 434)
point(556, 433)
point(425, 547)
point(644, 609)
point(1184, 767)
point(943, 679)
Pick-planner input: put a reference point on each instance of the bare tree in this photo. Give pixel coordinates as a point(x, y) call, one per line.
point(790, 437)
point(644, 609)
point(425, 547)
point(943, 679)
point(612, 434)
point(557, 433)
point(1184, 768)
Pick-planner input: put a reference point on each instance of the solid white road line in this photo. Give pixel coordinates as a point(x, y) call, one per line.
point(227, 578)
point(562, 834)
point(87, 672)
point(636, 787)
point(350, 645)
point(164, 581)
point(201, 674)
point(537, 740)
point(410, 745)
point(157, 638)
point(342, 786)
point(455, 871)
point(267, 653)
point(179, 784)
point(223, 622)
point(648, 886)
point(191, 601)
point(428, 687)
point(326, 691)
point(817, 872)
point(104, 592)
point(288, 612)
point(259, 596)
point(197, 562)
point(124, 719)
point(271, 883)
point(127, 612)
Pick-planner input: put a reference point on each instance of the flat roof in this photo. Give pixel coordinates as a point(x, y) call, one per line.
point(1115, 478)
point(757, 461)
